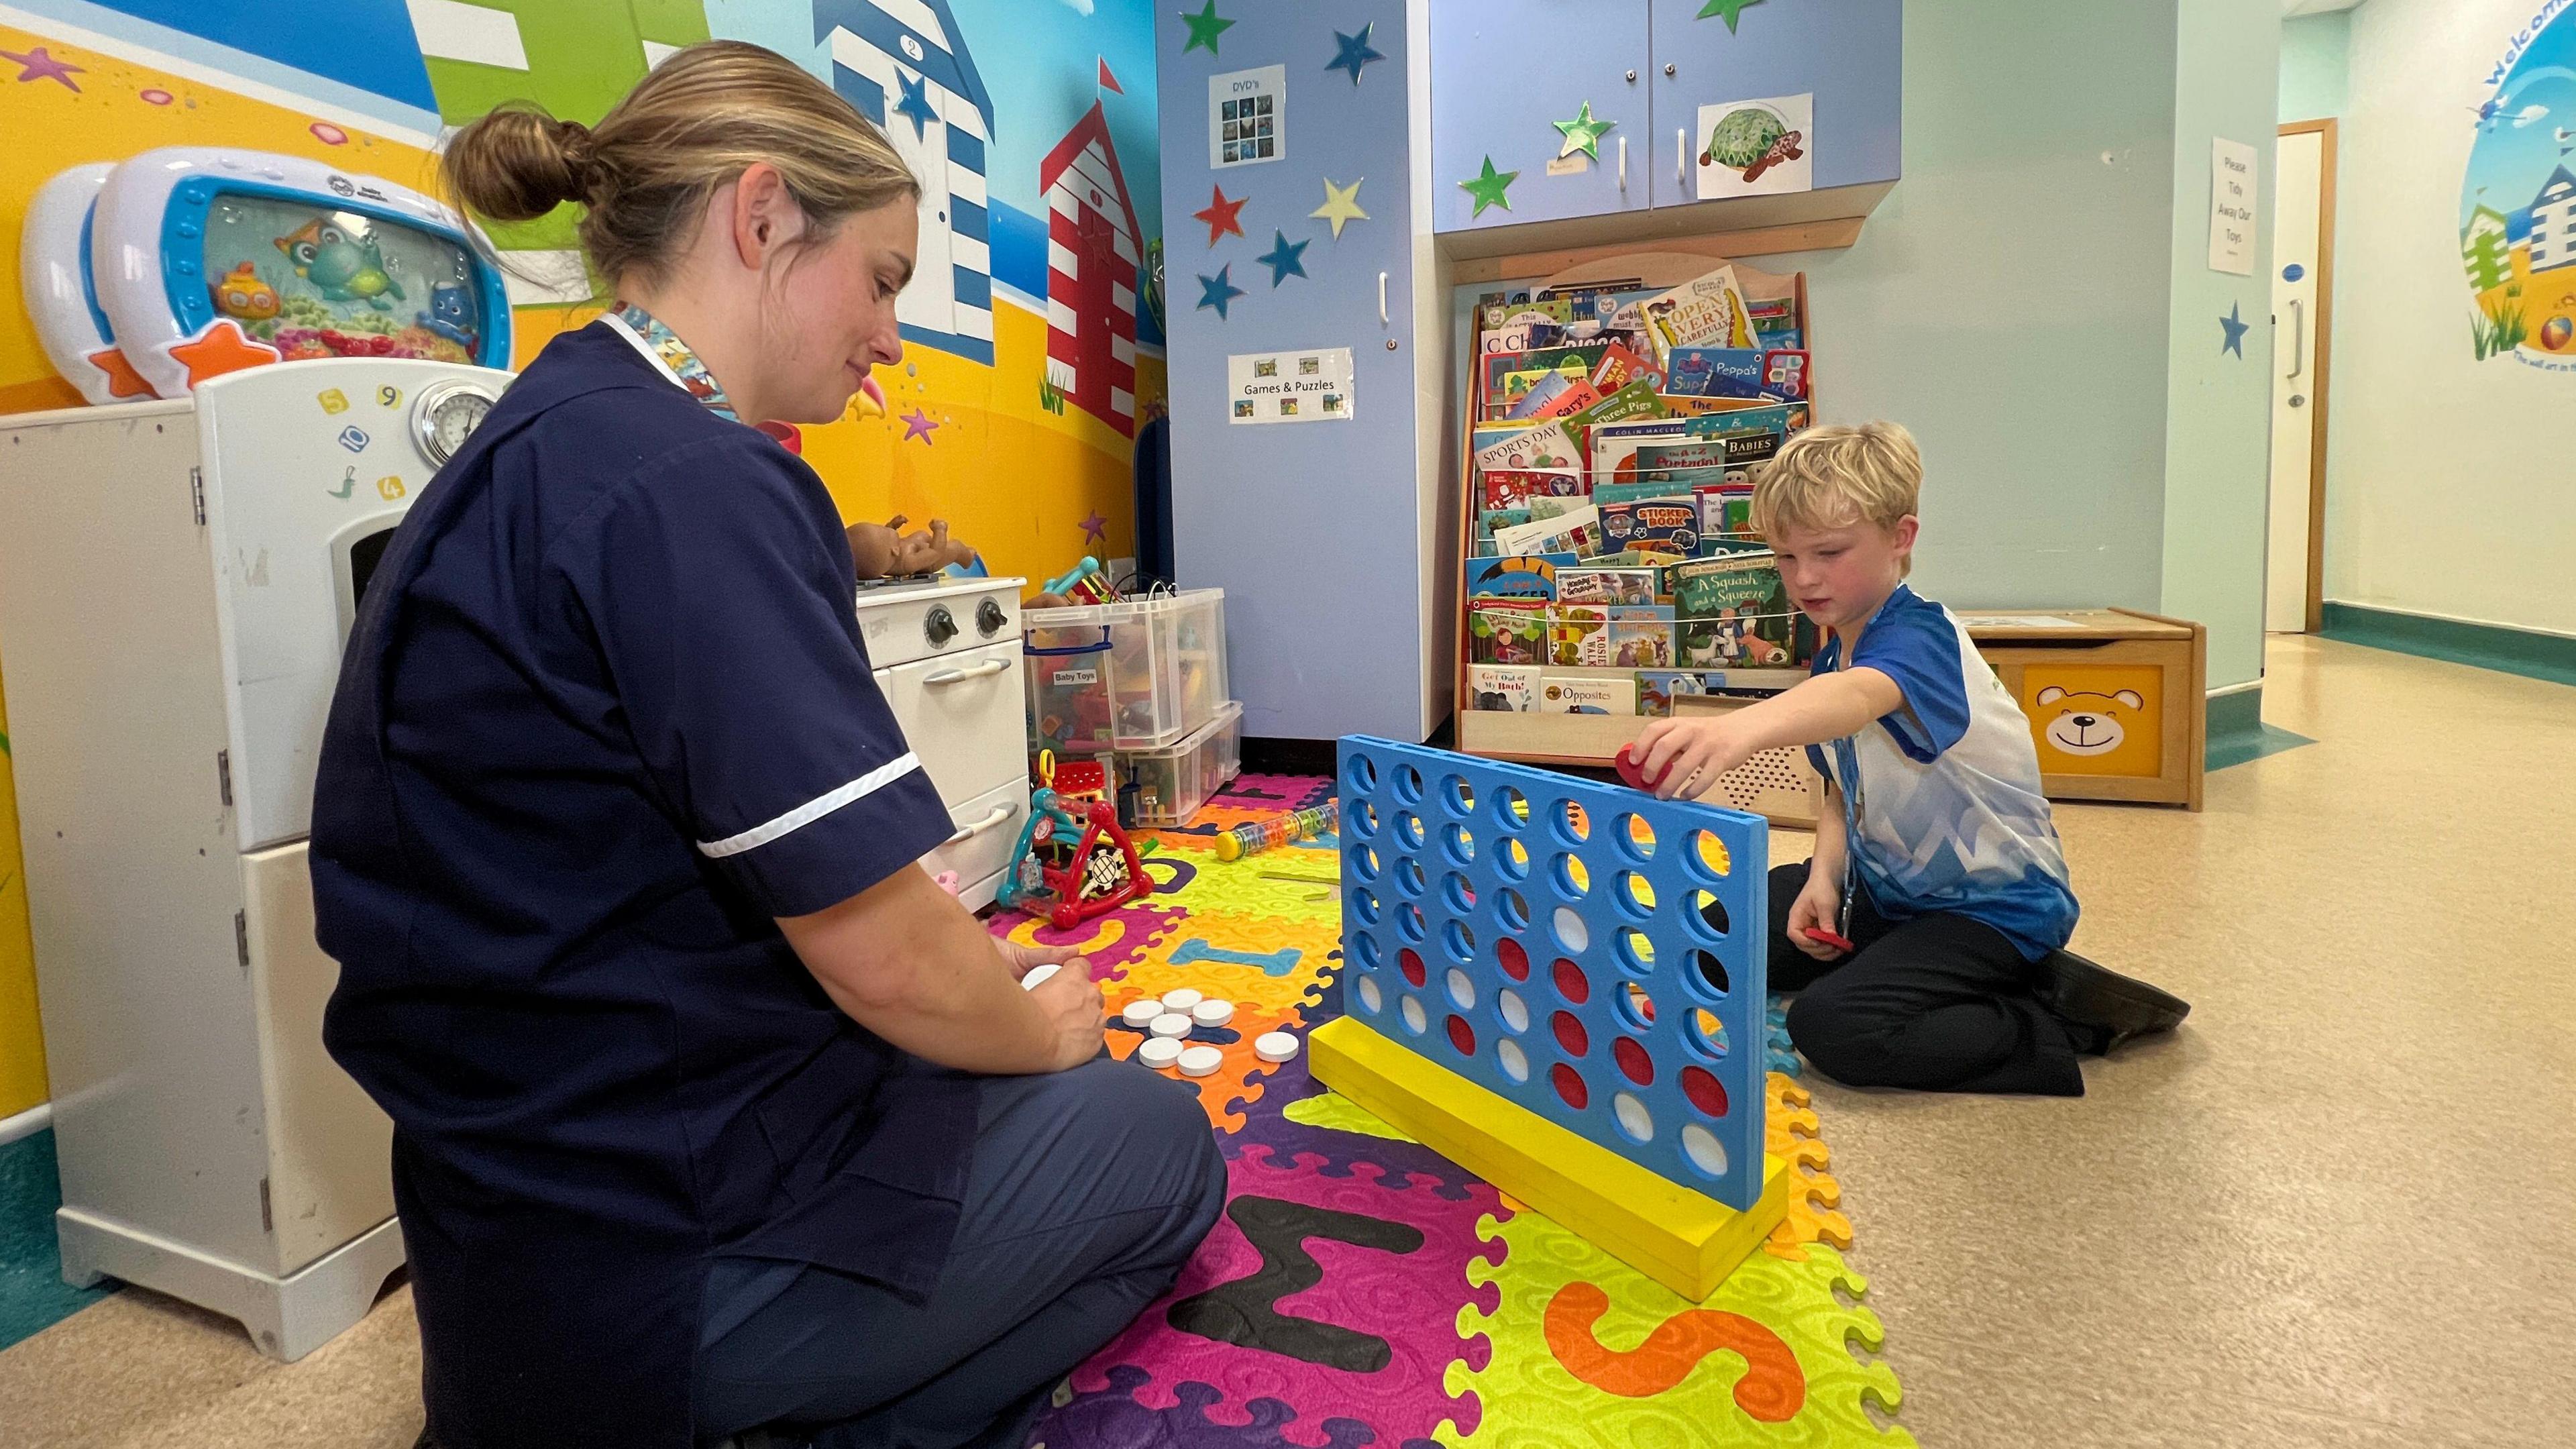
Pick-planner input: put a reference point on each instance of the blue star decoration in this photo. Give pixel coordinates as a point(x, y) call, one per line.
point(1218, 291)
point(916, 104)
point(2236, 327)
point(1354, 52)
point(1284, 259)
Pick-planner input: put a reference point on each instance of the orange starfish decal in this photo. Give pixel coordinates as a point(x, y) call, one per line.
point(122, 379)
point(219, 349)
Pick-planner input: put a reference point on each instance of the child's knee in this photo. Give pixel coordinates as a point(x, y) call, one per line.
point(1839, 1038)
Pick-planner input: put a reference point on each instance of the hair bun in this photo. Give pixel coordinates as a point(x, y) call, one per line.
point(581, 159)
point(517, 163)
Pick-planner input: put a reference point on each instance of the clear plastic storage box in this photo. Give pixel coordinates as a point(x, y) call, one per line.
point(1139, 675)
point(1173, 781)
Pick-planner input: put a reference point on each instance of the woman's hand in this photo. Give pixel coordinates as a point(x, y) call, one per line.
point(1072, 1006)
point(1818, 907)
point(1024, 959)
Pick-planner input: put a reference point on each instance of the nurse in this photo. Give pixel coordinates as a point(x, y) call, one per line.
point(712, 1113)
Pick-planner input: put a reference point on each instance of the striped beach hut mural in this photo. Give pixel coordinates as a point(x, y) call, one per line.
point(1092, 259)
point(904, 64)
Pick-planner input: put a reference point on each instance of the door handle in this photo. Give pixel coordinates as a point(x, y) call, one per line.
point(1381, 299)
point(1001, 812)
point(985, 670)
point(2298, 337)
point(1681, 157)
point(1623, 163)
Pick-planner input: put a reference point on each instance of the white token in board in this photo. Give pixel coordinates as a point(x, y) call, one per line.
point(1182, 998)
point(1275, 1046)
point(1159, 1052)
point(1212, 1013)
point(1141, 1014)
point(1170, 1023)
point(1038, 975)
point(1201, 1061)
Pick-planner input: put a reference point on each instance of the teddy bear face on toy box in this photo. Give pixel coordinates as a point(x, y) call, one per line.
point(2098, 720)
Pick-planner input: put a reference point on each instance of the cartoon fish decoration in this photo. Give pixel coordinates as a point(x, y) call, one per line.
point(242, 294)
point(341, 267)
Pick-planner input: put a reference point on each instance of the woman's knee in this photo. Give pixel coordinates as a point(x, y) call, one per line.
point(1153, 1127)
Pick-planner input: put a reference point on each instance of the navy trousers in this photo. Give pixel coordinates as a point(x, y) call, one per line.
point(1938, 1004)
point(1090, 1189)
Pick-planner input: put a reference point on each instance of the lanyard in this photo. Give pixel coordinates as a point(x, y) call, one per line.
point(664, 347)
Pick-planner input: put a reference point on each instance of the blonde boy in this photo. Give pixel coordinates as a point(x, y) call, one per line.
point(1936, 857)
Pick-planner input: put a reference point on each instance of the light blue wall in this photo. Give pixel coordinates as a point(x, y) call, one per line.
point(2316, 63)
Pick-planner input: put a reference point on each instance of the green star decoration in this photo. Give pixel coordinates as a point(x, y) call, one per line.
point(1583, 134)
point(1489, 188)
point(1205, 27)
point(1728, 9)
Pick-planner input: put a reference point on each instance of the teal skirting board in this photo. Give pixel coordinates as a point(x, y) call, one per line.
point(2237, 732)
point(33, 1295)
point(2487, 646)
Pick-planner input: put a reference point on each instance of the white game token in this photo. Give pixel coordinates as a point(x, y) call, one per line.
point(1159, 1052)
point(1141, 1014)
point(1212, 1013)
point(1038, 975)
point(1170, 1023)
point(1182, 998)
point(1201, 1061)
point(1275, 1046)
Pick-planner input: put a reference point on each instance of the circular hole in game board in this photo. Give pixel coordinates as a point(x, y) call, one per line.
point(1706, 1093)
point(1408, 784)
point(1360, 819)
point(1408, 921)
point(1513, 907)
point(1514, 1011)
point(1514, 958)
point(1636, 1009)
point(1409, 878)
point(1462, 1036)
point(1636, 951)
point(1710, 972)
point(1707, 1034)
point(1572, 826)
point(1572, 878)
point(1636, 838)
point(1360, 775)
point(1457, 892)
point(1364, 950)
point(1415, 1021)
point(1571, 932)
point(1635, 895)
point(1365, 862)
point(1370, 997)
point(1462, 989)
point(1570, 1033)
point(1708, 854)
point(1511, 809)
point(1408, 830)
point(1512, 859)
point(1457, 796)
point(1364, 905)
point(1571, 983)
point(1701, 1147)
point(1634, 1119)
point(1459, 941)
point(1708, 918)
point(1411, 965)
point(1635, 1062)
point(1460, 843)
point(1570, 1086)
point(1514, 1061)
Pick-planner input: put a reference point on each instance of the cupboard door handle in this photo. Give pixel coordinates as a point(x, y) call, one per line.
point(1001, 812)
point(1381, 299)
point(2298, 336)
point(1681, 157)
point(985, 670)
point(1623, 156)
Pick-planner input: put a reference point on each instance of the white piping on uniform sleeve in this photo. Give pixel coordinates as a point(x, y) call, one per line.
point(812, 810)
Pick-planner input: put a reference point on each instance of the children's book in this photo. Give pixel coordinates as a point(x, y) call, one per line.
point(1726, 520)
point(1707, 311)
point(1566, 401)
point(1589, 585)
point(1622, 365)
point(1576, 532)
point(1668, 524)
point(1587, 694)
point(1640, 636)
point(1547, 446)
point(1657, 688)
point(1512, 687)
point(1523, 577)
point(1514, 487)
point(1579, 635)
point(1734, 372)
point(1501, 632)
point(1636, 400)
point(1731, 610)
point(1533, 394)
point(1784, 373)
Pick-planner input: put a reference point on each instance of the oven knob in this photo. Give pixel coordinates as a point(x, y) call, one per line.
point(989, 618)
point(939, 626)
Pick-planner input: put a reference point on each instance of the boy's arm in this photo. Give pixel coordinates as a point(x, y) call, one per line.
point(1675, 752)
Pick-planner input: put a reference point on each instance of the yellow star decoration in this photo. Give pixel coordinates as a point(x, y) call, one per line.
point(1341, 204)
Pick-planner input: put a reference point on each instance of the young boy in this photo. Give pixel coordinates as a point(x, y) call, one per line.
point(1936, 857)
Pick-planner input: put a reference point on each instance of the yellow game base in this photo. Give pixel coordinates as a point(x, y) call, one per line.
point(1685, 1240)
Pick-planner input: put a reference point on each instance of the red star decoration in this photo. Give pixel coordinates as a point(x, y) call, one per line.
point(219, 349)
point(1221, 215)
point(36, 64)
point(122, 380)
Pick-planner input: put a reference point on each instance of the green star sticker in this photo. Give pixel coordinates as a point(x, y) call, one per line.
point(1488, 189)
point(1726, 8)
point(1206, 26)
point(1583, 134)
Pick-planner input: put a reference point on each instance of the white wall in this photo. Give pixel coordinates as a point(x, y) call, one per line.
point(2451, 483)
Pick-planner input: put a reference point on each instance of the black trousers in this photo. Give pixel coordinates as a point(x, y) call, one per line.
point(1937, 1004)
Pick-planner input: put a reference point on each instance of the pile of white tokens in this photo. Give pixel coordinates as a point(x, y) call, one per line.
point(1168, 1021)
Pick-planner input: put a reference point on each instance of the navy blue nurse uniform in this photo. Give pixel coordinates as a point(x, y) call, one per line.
point(605, 714)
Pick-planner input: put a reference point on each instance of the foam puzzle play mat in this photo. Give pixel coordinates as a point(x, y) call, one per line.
point(1363, 1288)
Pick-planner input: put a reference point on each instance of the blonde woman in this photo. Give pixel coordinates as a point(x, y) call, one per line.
point(714, 1116)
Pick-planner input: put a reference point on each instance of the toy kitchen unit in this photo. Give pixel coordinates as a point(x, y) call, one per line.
point(947, 655)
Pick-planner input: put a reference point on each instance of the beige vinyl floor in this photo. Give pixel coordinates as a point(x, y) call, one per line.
point(2337, 1209)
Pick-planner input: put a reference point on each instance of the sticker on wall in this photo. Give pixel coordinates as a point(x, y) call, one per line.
point(1490, 189)
point(1757, 147)
point(1222, 216)
point(1248, 116)
point(1312, 386)
point(1582, 134)
point(1341, 205)
point(1728, 10)
point(1285, 259)
point(1205, 27)
point(2231, 207)
point(2518, 201)
point(1218, 291)
point(2234, 326)
point(1352, 51)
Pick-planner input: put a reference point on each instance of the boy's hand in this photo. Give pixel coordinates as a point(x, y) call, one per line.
point(1685, 756)
point(1816, 908)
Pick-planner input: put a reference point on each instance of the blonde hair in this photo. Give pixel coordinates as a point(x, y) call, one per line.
point(1838, 476)
point(695, 122)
